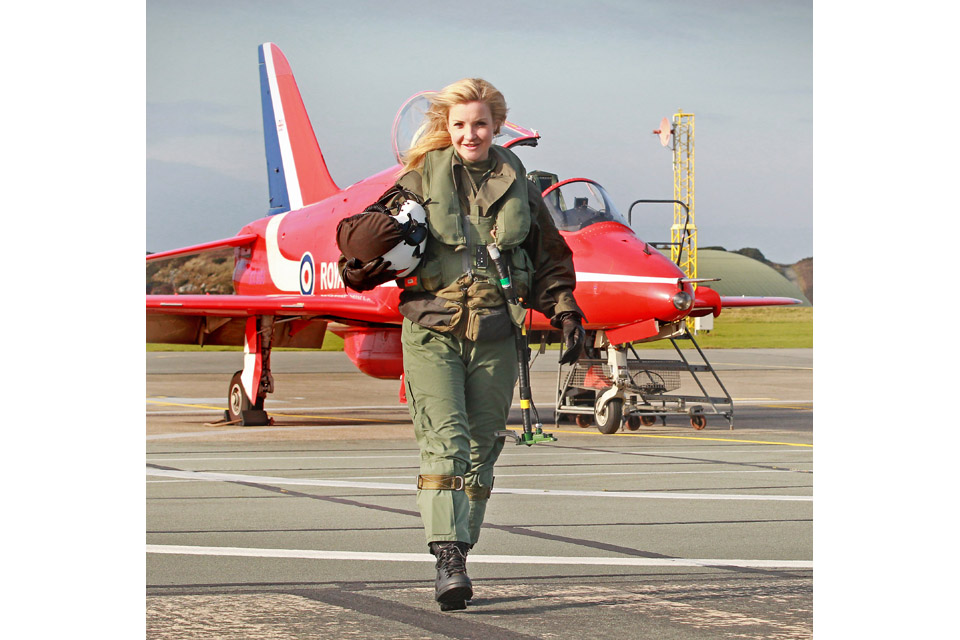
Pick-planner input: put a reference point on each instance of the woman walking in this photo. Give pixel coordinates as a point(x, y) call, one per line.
point(459, 353)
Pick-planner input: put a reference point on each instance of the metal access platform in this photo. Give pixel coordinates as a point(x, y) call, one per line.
point(616, 387)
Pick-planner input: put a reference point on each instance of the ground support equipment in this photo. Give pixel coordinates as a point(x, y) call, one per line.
point(616, 388)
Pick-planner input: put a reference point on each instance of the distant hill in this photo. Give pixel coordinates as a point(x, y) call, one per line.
point(799, 273)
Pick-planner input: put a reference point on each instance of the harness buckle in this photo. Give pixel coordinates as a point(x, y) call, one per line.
point(440, 482)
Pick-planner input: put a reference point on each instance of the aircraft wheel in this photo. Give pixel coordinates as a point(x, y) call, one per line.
point(698, 421)
point(583, 421)
point(609, 419)
point(648, 421)
point(237, 400)
point(633, 423)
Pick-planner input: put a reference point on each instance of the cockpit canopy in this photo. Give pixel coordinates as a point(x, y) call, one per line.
point(409, 124)
point(578, 203)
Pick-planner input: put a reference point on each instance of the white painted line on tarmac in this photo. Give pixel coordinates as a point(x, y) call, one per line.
point(210, 476)
point(576, 475)
point(158, 458)
point(608, 473)
point(311, 554)
point(656, 496)
point(553, 452)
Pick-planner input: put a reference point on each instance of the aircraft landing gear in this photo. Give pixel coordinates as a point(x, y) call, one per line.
point(255, 379)
point(239, 407)
point(609, 416)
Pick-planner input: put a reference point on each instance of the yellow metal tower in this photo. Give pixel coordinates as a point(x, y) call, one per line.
point(683, 233)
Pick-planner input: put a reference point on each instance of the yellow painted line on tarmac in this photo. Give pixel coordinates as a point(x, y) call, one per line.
point(647, 435)
point(272, 413)
point(304, 415)
point(180, 404)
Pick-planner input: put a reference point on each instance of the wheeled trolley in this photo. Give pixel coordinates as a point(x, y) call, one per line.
point(613, 386)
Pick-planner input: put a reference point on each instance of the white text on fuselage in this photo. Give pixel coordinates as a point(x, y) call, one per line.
point(329, 276)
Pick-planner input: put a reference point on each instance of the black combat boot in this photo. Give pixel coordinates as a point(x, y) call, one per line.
point(453, 585)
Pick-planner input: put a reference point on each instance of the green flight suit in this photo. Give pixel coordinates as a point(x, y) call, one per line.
point(460, 390)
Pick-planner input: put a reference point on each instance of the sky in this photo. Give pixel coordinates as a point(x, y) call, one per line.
point(594, 78)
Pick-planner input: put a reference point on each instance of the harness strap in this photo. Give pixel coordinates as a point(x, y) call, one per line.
point(441, 483)
point(478, 493)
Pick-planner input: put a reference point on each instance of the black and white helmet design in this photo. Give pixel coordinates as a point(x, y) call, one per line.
point(405, 256)
point(393, 228)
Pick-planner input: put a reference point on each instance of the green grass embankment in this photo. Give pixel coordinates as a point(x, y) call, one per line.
point(750, 328)
point(756, 328)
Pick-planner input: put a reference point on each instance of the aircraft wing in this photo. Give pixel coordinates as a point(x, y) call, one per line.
point(708, 302)
point(757, 301)
point(340, 308)
point(207, 247)
point(301, 321)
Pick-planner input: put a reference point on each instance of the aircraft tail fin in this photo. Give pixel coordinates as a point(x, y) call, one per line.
point(296, 171)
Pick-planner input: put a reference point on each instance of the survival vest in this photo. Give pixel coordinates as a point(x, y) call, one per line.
point(457, 243)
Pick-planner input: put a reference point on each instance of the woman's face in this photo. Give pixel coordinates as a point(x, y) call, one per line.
point(471, 129)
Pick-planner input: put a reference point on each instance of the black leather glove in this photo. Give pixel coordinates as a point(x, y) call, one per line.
point(574, 337)
point(363, 277)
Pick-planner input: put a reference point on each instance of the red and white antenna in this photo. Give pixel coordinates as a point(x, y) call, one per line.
point(664, 132)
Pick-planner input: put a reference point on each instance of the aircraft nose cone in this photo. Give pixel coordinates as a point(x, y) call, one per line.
point(622, 280)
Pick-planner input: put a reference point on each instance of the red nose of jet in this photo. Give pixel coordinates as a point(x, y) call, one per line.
point(622, 280)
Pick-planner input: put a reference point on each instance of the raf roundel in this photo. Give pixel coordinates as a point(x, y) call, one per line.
point(306, 274)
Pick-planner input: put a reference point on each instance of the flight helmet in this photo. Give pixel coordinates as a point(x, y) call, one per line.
point(394, 228)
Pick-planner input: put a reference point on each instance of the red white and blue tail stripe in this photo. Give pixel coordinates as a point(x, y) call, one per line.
point(296, 171)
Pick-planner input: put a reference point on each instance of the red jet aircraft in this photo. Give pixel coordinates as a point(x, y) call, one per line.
point(276, 284)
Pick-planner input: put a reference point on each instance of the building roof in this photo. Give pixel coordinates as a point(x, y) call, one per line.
point(743, 276)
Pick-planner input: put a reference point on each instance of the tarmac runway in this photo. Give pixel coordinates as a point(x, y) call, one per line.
point(309, 528)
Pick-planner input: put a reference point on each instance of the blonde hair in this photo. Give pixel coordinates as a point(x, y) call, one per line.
point(435, 135)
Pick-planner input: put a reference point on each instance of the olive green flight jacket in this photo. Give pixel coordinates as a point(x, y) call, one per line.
point(554, 278)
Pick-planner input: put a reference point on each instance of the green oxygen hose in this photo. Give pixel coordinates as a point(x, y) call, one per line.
point(531, 434)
